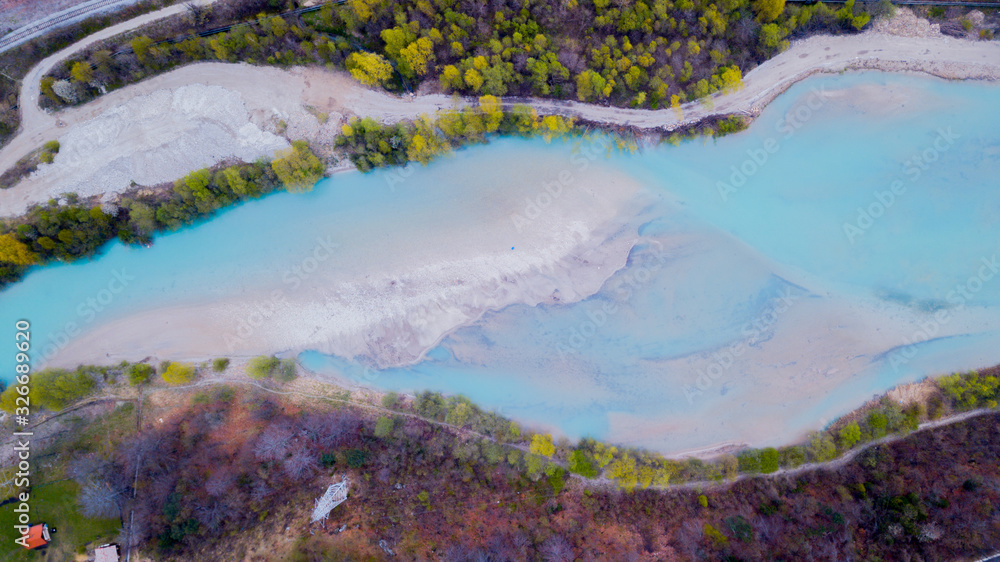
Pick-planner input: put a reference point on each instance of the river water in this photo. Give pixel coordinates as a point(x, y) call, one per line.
point(845, 243)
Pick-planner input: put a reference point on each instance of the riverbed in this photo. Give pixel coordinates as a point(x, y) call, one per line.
point(745, 289)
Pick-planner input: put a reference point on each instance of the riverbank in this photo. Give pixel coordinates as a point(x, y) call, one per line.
point(313, 103)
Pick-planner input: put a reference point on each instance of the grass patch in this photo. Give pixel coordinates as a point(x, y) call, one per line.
point(55, 504)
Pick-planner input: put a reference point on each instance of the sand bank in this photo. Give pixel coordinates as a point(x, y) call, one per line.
point(389, 293)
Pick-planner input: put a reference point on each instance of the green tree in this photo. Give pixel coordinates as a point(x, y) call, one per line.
point(279, 26)
point(178, 373)
point(590, 85)
point(581, 463)
point(140, 46)
point(46, 87)
point(850, 434)
point(220, 364)
point(821, 447)
point(371, 69)
point(138, 373)
point(769, 460)
point(877, 424)
point(261, 367)
point(770, 36)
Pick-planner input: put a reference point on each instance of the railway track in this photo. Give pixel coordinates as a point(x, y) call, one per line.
point(54, 21)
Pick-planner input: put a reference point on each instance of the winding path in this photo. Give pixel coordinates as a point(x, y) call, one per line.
point(335, 92)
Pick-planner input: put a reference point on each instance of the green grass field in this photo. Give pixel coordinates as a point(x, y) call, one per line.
point(55, 504)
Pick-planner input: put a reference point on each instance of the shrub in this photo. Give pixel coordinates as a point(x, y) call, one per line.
point(717, 538)
point(383, 427)
point(581, 463)
point(749, 461)
point(769, 460)
point(740, 528)
point(219, 365)
point(390, 400)
point(53, 389)
point(138, 373)
point(850, 434)
point(261, 367)
point(877, 424)
point(286, 371)
point(703, 500)
point(970, 390)
point(178, 373)
point(822, 448)
point(355, 458)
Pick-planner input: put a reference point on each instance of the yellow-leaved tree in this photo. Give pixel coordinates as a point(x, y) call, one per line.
point(768, 10)
point(371, 69)
point(178, 373)
point(297, 167)
point(14, 251)
point(541, 444)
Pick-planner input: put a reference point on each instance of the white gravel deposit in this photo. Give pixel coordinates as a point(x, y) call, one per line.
point(171, 132)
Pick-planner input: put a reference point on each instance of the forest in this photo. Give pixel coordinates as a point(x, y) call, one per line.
point(224, 470)
point(646, 53)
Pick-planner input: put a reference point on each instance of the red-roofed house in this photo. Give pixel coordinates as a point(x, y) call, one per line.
point(37, 537)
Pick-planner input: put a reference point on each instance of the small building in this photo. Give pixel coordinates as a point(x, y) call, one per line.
point(106, 553)
point(37, 537)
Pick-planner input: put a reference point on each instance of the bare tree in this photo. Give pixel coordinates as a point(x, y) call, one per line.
point(260, 491)
point(301, 464)
point(273, 443)
point(220, 482)
point(215, 513)
point(330, 429)
point(556, 549)
point(86, 467)
point(99, 500)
